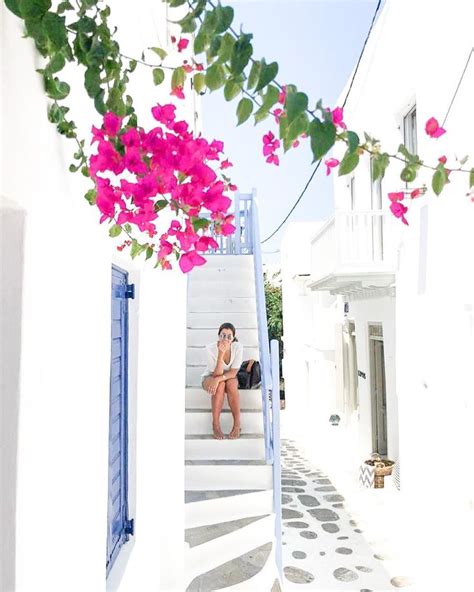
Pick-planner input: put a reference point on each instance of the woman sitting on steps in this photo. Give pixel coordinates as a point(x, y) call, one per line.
point(224, 359)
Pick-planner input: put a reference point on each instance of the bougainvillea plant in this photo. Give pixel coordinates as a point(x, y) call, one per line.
point(81, 33)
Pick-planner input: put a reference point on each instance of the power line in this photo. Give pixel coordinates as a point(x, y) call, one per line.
point(457, 88)
point(343, 104)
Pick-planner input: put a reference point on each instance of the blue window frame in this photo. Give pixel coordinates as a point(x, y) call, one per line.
point(119, 527)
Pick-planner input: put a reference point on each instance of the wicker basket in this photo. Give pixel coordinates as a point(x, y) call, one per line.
point(383, 468)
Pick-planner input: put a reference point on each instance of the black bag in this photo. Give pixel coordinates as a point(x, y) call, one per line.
point(249, 375)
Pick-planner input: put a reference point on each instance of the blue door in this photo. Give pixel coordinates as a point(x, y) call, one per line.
point(119, 527)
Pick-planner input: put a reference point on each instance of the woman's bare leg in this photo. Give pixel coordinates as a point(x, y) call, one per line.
point(216, 404)
point(232, 390)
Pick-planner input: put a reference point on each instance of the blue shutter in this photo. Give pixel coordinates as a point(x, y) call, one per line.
point(119, 527)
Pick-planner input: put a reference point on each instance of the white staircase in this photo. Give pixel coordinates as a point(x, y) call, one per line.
point(229, 515)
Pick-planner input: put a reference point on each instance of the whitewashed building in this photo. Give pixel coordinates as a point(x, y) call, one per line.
point(58, 265)
point(398, 300)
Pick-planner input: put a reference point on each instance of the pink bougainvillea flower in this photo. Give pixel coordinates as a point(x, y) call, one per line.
point(273, 159)
point(112, 124)
point(443, 159)
point(296, 143)
point(433, 129)
point(188, 68)
point(225, 164)
point(330, 164)
point(180, 127)
point(164, 113)
point(232, 187)
point(206, 242)
point(190, 260)
point(416, 193)
point(399, 211)
point(177, 92)
point(278, 114)
point(282, 95)
point(337, 117)
point(199, 67)
point(397, 196)
point(173, 39)
point(183, 44)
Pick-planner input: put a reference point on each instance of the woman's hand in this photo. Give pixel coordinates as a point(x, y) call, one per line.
point(212, 385)
point(223, 347)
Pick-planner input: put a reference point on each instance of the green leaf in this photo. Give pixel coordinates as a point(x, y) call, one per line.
point(298, 126)
point(352, 141)
point(55, 28)
point(254, 75)
point(149, 253)
point(225, 50)
point(159, 52)
point(379, 164)
point(215, 77)
point(99, 104)
point(271, 97)
point(63, 6)
point(199, 81)
point(160, 204)
point(92, 81)
point(175, 3)
point(323, 137)
point(56, 63)
point(200, 223)
point(115, 230)
point(209, 22)
point(348, 163)
point(268, 73)
point(471, 179)
point(232, 89)
point(136, 248)
point(295, 104)
point(178, 77)
point(261, 114)
point(55, 88)
point(225, 16)
point(188, 24)
point(241, 54)
point(438, 181)
point(33, 9)
point(244, 110)
point(158, 76)
point(91, 196)
point(408, 174)
point(214, 47)
point(201, 42)
point(13, 6)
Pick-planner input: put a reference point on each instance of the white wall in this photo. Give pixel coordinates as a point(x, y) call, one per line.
point(60, 323)
point(415, 62)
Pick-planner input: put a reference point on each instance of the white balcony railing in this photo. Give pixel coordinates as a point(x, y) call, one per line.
point(352, 241)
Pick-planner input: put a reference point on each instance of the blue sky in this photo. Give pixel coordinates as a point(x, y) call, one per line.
point(316, 44)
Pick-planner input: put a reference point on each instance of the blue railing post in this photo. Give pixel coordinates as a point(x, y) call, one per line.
point(263, 342)
point(275, 357)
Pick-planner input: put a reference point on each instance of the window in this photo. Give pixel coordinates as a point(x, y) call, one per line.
point(409, 131)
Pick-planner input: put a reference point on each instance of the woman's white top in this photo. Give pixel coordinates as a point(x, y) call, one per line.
point(236, 357)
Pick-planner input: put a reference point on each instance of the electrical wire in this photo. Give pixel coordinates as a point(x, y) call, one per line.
point(343, 104)
point(457, 88)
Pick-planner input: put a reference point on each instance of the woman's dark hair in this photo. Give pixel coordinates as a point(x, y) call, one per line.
point(227, 326)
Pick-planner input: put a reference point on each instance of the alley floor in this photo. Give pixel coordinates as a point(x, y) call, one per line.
point(323, 547)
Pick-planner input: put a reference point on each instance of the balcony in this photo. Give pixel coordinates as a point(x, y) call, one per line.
point(353, 252)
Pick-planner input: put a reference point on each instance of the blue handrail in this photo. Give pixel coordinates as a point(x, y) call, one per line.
point(246, 241)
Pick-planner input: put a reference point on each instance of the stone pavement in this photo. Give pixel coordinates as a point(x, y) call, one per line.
point(323, 548)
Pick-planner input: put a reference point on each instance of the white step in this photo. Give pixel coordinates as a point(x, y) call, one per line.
point(208, 448)
point(213, 477)
point(213, 303)
point(197, 398)
point(248, 337)
point(207, 556)
point(224, 509)
point(213, 320)
point(232, 262)
point(200, 422)
point(194, 375)
point(196, 355)
point(229, 287)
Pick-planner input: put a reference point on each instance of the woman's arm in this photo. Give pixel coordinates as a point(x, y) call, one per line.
point(221, 350)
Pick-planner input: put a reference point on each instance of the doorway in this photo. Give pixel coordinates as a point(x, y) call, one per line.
point(378, 390)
